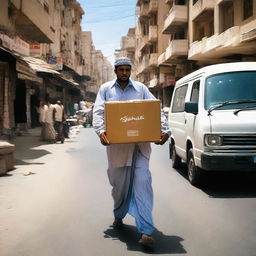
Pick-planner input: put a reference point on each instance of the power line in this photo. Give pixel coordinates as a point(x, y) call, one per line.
point(111, 19)
point(120, 3)
point(106, 6)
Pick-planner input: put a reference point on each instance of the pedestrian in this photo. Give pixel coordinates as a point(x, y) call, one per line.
point(128, 164)
point(50, 134)
point(58, 115)
point(42, 114)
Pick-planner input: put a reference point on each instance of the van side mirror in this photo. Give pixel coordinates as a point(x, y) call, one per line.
point(191, 107)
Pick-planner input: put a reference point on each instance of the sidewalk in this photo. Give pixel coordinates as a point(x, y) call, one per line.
point(29, 147)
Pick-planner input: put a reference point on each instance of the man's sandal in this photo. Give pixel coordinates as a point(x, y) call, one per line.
point(146, 240)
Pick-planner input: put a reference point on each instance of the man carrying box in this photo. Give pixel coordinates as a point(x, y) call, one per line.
point(128, 163)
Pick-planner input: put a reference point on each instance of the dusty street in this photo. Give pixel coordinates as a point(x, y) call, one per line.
point(65, 207)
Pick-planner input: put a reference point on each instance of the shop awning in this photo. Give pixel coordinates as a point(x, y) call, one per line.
point(38, 65)
point(29, 68)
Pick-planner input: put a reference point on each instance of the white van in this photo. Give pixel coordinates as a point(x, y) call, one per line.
point(213, 119)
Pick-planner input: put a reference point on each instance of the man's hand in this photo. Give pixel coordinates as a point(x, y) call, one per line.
point(163, 139)
point(103, 139)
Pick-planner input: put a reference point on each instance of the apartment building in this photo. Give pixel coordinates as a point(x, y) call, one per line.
point(96, 67)
point(147, 41)
point(127, 49)
point(42, 55)
point(158, 47)
point(222, 31)
point(20, 84)
point(102, 69)
point(192, 34)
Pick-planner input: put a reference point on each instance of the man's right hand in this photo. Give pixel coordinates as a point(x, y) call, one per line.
point(103, 139)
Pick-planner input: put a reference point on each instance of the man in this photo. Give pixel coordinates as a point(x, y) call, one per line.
point(128, 164)
point(58, 120)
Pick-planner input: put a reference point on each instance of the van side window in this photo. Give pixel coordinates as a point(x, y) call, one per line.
point(179, 99)
point(195, 91)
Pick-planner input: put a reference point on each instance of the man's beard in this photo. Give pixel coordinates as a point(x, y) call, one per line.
point(121, 80)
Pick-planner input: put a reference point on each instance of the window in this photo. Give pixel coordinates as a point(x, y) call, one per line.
point(180, 2)
point(247, 9)
point(226, 16)
point(195, 91)
point(228, 87)
point(179, 99)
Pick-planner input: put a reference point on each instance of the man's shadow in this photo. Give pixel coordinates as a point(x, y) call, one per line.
point(164, 244)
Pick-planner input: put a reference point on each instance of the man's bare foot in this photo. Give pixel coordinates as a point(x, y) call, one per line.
point(118, 223)
point(146, 240)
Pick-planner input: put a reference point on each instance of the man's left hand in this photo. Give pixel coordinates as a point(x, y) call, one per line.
point(163, 139)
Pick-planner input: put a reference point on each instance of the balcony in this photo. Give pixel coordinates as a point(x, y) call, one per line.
point(153, 6)
point(177, 48)
point(216, 46)
point(248, 31)
point(143, 10)
point(144, 64)
point(128, 43)
point(143, 42)
point(152, 35)
point(230, 37)
point(202, 7)
point(178, 16)
point(153, 60)
point(195, 49)
point(161, 59)
point(33, 26)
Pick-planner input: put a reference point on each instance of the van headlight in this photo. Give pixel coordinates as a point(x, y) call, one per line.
point(213, 140)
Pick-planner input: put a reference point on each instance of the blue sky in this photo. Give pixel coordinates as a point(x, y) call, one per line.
point(109, 21)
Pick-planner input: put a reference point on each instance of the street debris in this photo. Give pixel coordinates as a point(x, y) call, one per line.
point(28, 173)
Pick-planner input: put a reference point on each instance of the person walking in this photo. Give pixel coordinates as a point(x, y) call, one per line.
point(42, 114)
point(50, 134)
point(58, 120)
point(128, 164)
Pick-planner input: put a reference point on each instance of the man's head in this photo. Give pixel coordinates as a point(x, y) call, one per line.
point(123, 68)
point(58, 102)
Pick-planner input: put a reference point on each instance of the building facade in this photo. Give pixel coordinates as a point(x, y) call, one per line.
point(43, 56)
point(127, 49)
point(184, 35)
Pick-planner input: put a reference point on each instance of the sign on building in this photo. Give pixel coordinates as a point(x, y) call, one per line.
point(56, 62)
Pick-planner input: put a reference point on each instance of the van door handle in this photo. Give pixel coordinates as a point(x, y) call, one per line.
point(185, 121)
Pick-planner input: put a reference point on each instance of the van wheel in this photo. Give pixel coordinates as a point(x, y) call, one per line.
point(176, 160)
point(194, 172)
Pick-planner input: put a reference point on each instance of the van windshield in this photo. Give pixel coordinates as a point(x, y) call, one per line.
point(231, 87)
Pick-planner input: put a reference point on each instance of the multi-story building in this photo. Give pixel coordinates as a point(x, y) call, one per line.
point(96, 67)
point(173, 63)
point(191, 34)
point(127, 49)
point(147, 41)
point(222, 31)
point(42, 56)
point(102, 70)
point(154, 48)
point(20, 26)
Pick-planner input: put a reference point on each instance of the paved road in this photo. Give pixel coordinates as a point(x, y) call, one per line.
point(65, 208)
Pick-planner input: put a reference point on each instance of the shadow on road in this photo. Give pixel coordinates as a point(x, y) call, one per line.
point(31, 153)
point(226, 184)
point(230, 185)
point(21, 162)
point(164, 244)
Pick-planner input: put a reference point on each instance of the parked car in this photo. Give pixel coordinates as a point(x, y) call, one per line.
point(213, 120)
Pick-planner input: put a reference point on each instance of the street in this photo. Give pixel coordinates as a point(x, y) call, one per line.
point(64, 207)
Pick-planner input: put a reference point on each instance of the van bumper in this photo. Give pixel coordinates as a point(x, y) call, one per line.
point(228, 162)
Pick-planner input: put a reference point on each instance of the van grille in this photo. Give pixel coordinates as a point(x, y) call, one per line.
point(241, 140)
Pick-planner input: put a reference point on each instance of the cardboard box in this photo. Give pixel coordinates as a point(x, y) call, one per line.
point(133, 121)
